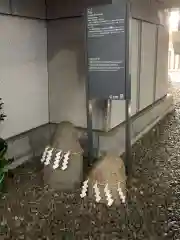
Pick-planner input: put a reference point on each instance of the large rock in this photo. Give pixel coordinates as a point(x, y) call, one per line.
point(109, 170)
point(65, 139)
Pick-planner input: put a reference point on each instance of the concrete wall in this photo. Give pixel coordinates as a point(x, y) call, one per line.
point(148, 64)
point(67, 75)
point(32, 143)
point(23, 74)
point(5, 6)
point(148, 58)
point(118, 107)
point(162, 62)
point(114, 141)
point(150, 11)
point(149, 68)
point(66, 71)
point(66, 66)
point(26, 8)
point(25, 56)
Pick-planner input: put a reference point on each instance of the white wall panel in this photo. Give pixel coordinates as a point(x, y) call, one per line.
point(162, 63)
point(69, 8)
point(23, 74)
point(66, 71)
point(140, 9)
point(4, 6)
point(118, 107)
point(67, 77)
point(29, 8)
point(150, 11)
point(148, 54)
point(135, 68)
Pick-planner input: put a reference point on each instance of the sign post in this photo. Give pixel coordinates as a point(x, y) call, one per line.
point(128, 150)
point(107, 48)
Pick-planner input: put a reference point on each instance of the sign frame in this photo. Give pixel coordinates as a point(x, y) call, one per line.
point(106, 26)
point(127, 97)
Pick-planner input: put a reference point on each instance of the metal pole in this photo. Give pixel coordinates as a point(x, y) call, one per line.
point(90, 133)
point(128, 150)
point(179, 20)
point(88, 102)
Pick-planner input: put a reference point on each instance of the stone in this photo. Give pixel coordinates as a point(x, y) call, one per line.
point(109, 170)
point(65, 139)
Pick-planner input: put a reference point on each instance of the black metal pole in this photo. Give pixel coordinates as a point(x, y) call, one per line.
point(128, 150)
point(179, 20)
point(128, 154)
point(90, 133)
point(88, 101)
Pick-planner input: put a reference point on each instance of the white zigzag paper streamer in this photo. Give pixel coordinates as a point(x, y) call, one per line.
point(65, 161)
point(108, 196)
point(48, 158)
point(84, 189)
point(121, 195)
point(97, 192)
point(57, 160)
point(44, 154)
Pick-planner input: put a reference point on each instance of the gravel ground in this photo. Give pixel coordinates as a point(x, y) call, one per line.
point(28, 210)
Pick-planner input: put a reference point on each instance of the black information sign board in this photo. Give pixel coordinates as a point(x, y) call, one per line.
point(106, 44)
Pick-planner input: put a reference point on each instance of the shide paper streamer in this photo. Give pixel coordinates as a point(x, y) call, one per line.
point(84, 189)
point(61, 158)
point(107, 193)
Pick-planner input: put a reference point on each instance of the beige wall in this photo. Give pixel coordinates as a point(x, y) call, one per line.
point(23, 74)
